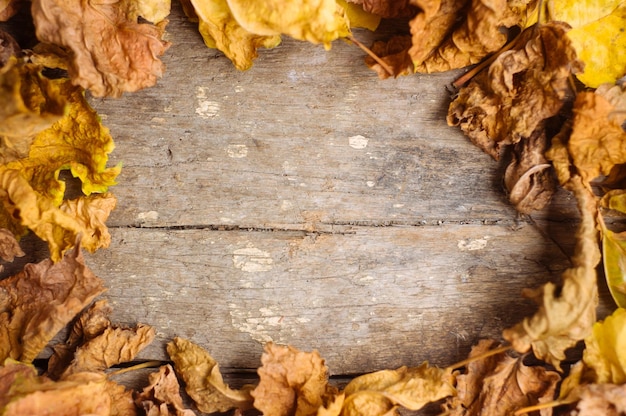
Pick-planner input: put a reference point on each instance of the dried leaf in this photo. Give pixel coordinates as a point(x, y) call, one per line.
point(334, 407)
point(605, 353)
point(614, 261)
point(598, 141)
point(39, 301)
point(292, 382)
point(379, 393)
point(32, 193)
point(449, 34)
point(597, 35)
point(111, 51)
point(499, 385)
point(220, 30)
point(387, 8)
point(9, 247)
point(11, 371)
point(523, 87)
point(357, 17)
point(162, 396)
point(315, 21)
point(528, 177)
point(203, 380)
point(8, 8)
point(30, 104)
point(565, 314)
point(8, 46)
point(601, 400)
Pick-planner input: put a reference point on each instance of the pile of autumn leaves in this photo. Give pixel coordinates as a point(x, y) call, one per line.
point(522, 104)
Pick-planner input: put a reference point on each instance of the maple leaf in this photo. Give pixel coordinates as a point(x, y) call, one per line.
point(523, 87)
point(567, 313)
point(380, 393)
point(292, 382)
point(220, 30)
point(162, 396)
point(111, 52)
point(203, 380)
point(500, 384)
point(9, 247)
point(597, 35)
point(40, 301)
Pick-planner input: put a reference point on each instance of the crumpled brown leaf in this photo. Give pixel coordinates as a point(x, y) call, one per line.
point(381, 392)
point(203, 380)
point(438, 42)
point(8, 47)
point(81, 394)
point(566, 313)
point(162, 396)
point(9, 247)
point(598, 142)
point(528, 178)
point(387, 8)
point(103, 346)
point(523, 87)
point(111, 52)
point(499, 385)
point(8, 8)
point(39, 301)
point(601, 400)
point(292, 382)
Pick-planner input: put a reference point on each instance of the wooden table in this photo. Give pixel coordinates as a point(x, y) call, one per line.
point(307, 202)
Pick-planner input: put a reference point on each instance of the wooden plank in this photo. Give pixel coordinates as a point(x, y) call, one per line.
point(367, 299)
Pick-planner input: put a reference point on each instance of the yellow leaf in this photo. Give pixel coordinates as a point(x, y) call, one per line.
point(597, 35)
point(203, 380)
point(220, 30)
point(605, 352)
point(315, 21)
point(614, 259)
point(380, 392)
point(359, 17)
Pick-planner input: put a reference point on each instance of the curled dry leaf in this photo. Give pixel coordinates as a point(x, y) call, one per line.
point(9, 247)
point(605, 352)
point(8, 47)
point(387, 8)
point(111, 52)
point(40, 301)
point(523, 87)
point(566, 314)
point(220, 30)
point(292, 382)
point(315, 21)
point(381, 392)
point(528, 178)
point(203, 380)
point(600, 400)
point(449, 34)
point(162, 396)
point(614, 262)
point(8, 8)
point(500, 384)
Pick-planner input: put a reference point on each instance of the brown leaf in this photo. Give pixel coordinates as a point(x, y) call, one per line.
point(292, 382)
point(8, 46)
point(10, 372)
point(203, 380)
point(39, 301)
point(162, 396)
point(8, 8)
point(598, 142)
point(499, 385)
point(111, 51)
point(387, 8)
point(528, 177)
point(566, 314)
point(9, 247)
point(523, 87)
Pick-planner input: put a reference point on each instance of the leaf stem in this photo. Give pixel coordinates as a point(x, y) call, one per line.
point(375, 57)
point(482, 356)
point(540, 406)
point(147, 364)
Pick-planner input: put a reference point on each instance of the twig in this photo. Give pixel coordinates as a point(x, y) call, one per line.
point(375, 57)
point(465, 78)
point(484, 355)
point(147, 364)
